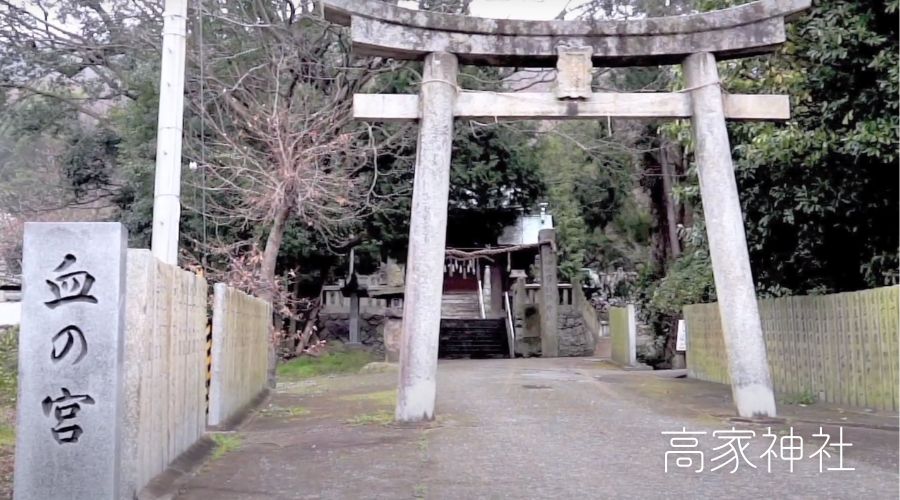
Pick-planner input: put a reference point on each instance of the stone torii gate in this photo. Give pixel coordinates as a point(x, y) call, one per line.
point(695, 41)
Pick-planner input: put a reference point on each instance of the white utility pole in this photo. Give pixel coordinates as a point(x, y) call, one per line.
point(167, 189)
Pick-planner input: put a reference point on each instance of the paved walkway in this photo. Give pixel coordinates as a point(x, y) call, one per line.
point(532, 428)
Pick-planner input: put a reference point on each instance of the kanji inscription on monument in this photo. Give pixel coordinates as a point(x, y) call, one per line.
point(70, 361)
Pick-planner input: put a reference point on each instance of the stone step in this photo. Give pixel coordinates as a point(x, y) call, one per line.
point(473, 335)
point(476, 338)
point(461, 296)
point(472, 324)
point(486, 323)
point(460, 305)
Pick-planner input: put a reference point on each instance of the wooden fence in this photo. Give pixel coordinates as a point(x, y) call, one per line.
point(840, 348)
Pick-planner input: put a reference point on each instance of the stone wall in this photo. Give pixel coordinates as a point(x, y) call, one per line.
point(593, 324)
point(648, 345)
point(528, 332)
point(336, 327)
point(574, 338)
point(165, 367)
point(240, 330)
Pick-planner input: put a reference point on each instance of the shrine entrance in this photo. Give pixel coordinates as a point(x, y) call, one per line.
point(574, 48)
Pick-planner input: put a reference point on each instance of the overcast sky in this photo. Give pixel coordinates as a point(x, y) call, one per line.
point(515, 9)
point(519, 9)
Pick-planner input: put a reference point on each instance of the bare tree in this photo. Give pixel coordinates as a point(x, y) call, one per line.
point(76, 52)
point(63, 64)
point(269, 118)
point(273, 88)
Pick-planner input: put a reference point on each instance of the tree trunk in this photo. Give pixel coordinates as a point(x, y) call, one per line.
point(308, 331)
point(267, 276)
point(295, 295)
point(672, 227)
point(670, 351)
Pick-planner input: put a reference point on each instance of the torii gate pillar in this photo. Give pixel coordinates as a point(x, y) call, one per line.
point(427, 239)
point(751, 382)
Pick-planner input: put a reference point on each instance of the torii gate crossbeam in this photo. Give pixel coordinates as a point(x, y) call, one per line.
point(544, 106)
point(696, 41)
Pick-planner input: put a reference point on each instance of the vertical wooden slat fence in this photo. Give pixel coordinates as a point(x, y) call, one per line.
point(840, 348)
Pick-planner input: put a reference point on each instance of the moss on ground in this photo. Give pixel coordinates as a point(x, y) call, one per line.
point(804, 398)
point(378, 418)
point(225, 443)
point(7, 436)
point(279, 411)
point(380, 367)
point(331, 363)
point(383, 398)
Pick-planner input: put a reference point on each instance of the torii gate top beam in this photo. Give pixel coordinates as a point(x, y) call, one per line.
point(385, 30)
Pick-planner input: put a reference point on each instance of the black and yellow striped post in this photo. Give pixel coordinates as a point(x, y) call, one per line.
point(202, 274)
point(208, 359)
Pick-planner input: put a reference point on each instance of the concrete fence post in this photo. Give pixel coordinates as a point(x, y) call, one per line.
point(240, 327)
point(623, 335)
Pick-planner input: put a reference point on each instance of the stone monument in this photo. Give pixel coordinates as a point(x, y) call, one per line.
point(70, 361)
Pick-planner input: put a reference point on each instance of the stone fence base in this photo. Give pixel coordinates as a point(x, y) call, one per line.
point(336, 327)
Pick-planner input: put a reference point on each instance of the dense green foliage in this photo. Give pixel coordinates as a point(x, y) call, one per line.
point(493, 173)
point(590, 176)
point(820, 193)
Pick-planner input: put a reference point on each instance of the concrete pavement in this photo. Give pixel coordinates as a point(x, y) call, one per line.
point(533, 428)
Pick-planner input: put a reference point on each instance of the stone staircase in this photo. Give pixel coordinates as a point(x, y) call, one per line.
point(460, 305)
point(473, 338)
